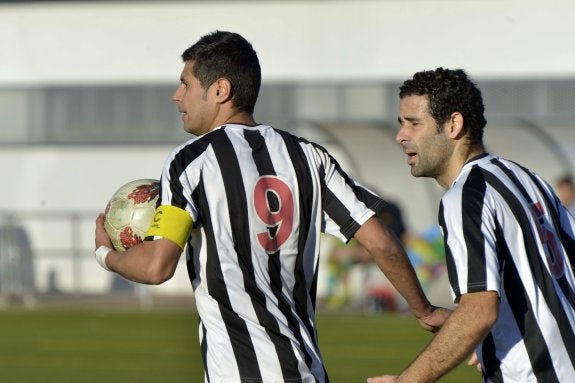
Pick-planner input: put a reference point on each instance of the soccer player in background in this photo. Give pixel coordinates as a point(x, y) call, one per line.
point(565, 189)
point(510, 244)
point(248, 203)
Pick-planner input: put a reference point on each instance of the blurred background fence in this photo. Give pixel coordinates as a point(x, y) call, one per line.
point(46, 260)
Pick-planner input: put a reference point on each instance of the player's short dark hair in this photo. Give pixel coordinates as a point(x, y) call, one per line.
point(229, 55)
point(449, 91)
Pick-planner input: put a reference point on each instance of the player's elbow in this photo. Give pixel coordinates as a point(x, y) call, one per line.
point(483, 307)
point(488, 319)
point(162, 261)
point(160, 271)
point(159, 275)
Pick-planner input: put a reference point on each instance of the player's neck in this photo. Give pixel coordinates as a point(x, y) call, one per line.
point(460, 157)
point(239, 117)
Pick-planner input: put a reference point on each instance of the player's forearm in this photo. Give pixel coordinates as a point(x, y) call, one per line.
point(462, 332)
point(140, 264)
point(395, 264)
point(441, 356)
point(391, 258)
point(132, 268)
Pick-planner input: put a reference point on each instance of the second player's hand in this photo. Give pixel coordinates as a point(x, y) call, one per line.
point(474, 361)
point(433, 321)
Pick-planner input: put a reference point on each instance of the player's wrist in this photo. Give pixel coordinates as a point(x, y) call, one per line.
point(422, 311)
point(101, 254)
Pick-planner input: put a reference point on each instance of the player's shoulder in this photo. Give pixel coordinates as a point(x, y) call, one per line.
point(302, 141)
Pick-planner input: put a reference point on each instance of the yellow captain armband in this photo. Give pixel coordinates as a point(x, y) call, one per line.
point(172, 223)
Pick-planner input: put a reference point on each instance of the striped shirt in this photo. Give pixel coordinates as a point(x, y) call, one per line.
point(259, 198)
point(506, 231)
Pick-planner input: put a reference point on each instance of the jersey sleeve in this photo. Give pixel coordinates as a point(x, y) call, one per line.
point(346, 204)
point(467, 217)
point(175, 213)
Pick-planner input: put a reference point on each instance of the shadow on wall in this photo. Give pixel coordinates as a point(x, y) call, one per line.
point(17, 281)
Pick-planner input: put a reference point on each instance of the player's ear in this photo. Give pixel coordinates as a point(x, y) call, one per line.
point(455, 125)
point(223, 89)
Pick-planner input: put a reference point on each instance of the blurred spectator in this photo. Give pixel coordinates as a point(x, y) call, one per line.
point(565, 188)
point(344, 257)
point(425, 253)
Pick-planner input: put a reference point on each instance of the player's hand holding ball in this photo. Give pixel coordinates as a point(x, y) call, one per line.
point(127, 217)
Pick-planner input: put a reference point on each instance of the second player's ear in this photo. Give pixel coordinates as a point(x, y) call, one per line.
point(223, 89)
point(455, 125)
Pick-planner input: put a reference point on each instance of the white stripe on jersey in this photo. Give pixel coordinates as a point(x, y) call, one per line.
point(506, 231)
point(254, 275)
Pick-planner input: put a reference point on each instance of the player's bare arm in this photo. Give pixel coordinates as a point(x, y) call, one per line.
point(151, 262)
point(461, 333)
point(391, 258)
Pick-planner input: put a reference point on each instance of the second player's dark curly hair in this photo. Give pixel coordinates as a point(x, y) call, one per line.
point(449, 91)
point(229, 55)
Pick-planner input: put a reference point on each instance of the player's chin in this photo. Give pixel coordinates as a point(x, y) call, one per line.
point(415, 172)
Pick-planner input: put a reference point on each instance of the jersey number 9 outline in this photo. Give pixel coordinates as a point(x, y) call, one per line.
point(274, 204)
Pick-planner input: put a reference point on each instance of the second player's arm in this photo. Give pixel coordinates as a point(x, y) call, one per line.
point(391, 258)
point(461, 333)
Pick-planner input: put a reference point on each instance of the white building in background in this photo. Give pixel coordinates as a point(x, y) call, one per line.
point(85, 96)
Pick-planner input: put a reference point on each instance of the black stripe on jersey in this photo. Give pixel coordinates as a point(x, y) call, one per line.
point(260, 152)
point(472, 195)
point(288, 361)
point(306, 192)
point(289, 369)
point(178, 166)
point(565, 239)
point(204, 350)
point(550, 207)
point(192, 272)
point(449, 261)
point(333, 206)
point(518, 299)
point(237, 204)
point(491, 364)
point(340, 214)
point(236, 327)
point(305, 201)
point(372, 201)
point(526, 321)
point(569, 245)
point(550, 294)
point(564, 327)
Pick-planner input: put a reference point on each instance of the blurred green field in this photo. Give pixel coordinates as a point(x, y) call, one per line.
point(161, 346)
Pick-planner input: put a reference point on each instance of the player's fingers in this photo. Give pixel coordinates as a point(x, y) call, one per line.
point(435, 320)
point(101, 237)
point(474, 361)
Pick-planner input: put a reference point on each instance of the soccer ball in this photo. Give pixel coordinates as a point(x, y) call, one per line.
point(130, 211)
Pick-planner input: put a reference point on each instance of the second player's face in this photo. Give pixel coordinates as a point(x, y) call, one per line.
point(194, 103)
point(428, 151)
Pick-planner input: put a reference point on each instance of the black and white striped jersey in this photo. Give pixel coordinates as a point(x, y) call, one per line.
point(506, 231)
point(259, 198)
